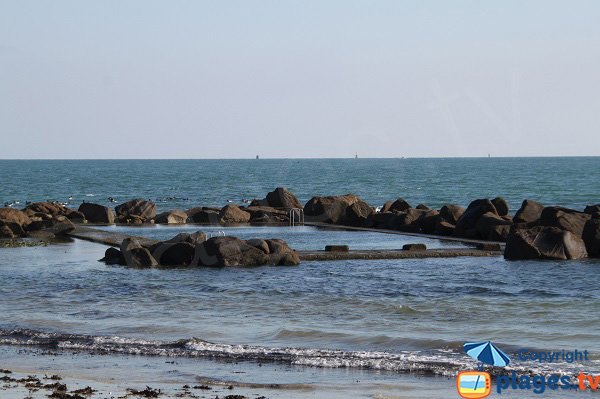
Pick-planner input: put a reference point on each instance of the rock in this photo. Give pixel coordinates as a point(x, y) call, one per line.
point(466, 225)
point(400, 205)
point(59, 225)
point(41, 235)
point(564, 218)
point(530, 211)
point(379, 220)
point(14, 215)
point(95, 213)
point(277, 246)
point(203, 215)
point(290, 258)
point(591, 237)
point(414, 247)
point(131, 219)
point(338, 210)
point(260, 244)
point(174, 254)
point(267, 214)
point(15, 228)
point(233, 214)
point(492, 227)
point(112, 256)
point(451, 213)
point(415, 221)
point(53, 209)
point(337, 248)
point(592, 209)
point(76, 216)
point(282, 198)
point(172, 217)
point(444, 228)
point(357, 214)
point(137, 209)
point(229, 251)
point(281, 254)
point(6, 232)
point(429, 221)
point(192, 238)
point(501, 206)
point(544, 243)
point(135, 255)
point(423, 207)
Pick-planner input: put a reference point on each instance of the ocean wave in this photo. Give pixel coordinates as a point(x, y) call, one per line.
point(443, 362)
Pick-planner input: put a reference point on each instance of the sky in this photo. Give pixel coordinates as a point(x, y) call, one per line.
point(298, 79)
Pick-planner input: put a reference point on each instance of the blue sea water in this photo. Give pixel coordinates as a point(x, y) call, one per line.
point(391, 315)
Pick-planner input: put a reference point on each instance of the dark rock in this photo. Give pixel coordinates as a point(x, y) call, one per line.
point(277, 245)
point(592, 209)
point(260, 244)
point(466, 225)
point(400, 205)
point(172, 217)
point(415, 220)
point(193, 238)
point(492, 227)
point(203, 215)
point(6, 232)
point(501, 206)
point(423, 207)
point(337, 248)
point(131, 219)
point(444, 228)
point(379, 220)
point(544, 243)
point(95, 213)
point(414, 247)
point(38, 225)
point(283, 198)
point(41, 235)
point(346, 209)
point(174, 254)
point(60, 225)
point(14, 215)
point(137, 208)
point(530, 211)
point(289, 258)
point(15, 227)
point(564, 218)
point(135, 255)
point(267, 214)
point(233, 214)
point(230, 251)
point(451, 213)
point(76, 216)
point(591, 237)
point(112, 256)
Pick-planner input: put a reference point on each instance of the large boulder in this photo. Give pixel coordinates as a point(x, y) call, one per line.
point(592, 209)
point(113, 256)
point(53, 209)
point(6, 232)
point(564, 218)
point(172, 217)
point(346, 209)
point(451, 213)
point(282, 198)
point(95, 213)
point(229, 251)
point(399, 205)
point(15, 228)
point(380, 220)
point(529, 212)
point(192, 238)
point(135, 255)
point(203, 215)
point(415, 221)
point(591, 237)
point(14, 215)
point(280, 254)
point(544, 243)
point(466, 224)
point(267, 214)
point(233, 214)
point(493, 227)
point(136, 210)
point(174, 254)
point(501, 206)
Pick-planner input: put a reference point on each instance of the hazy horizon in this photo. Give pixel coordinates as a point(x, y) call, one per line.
point(297, 80)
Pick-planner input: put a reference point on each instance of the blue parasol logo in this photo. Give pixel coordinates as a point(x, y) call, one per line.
point(486, 352)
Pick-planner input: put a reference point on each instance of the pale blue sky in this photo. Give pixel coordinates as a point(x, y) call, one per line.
point(232, 79)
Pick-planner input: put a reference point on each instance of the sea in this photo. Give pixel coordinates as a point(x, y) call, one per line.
point(355, 328)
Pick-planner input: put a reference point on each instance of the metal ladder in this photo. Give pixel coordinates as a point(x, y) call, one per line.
point(296, 216)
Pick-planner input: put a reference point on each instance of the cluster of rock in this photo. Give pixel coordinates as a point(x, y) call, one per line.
point(43, 220)
point(195, 250)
